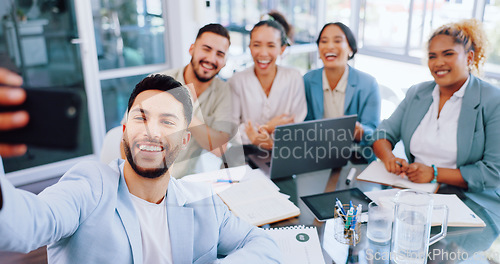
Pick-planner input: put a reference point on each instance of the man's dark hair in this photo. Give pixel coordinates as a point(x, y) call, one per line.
point(351, 40)
point(273, 24)
point(167, 84)
point(216, 29)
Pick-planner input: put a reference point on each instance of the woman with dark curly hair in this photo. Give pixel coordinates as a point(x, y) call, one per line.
point(449, 126)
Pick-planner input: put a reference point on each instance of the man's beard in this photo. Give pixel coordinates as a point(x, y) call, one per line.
point(201, 79)
point(152, 173)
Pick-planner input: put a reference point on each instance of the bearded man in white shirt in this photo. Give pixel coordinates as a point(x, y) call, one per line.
point(212, 126)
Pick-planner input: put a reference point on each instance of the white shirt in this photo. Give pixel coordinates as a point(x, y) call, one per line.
point(287, 96)
point(435, 139)
point(333, 100)
point(156, 247)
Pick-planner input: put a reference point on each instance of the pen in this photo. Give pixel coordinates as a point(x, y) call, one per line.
point(354, 219)
point(349, 219)
point(357, 213)
point(350, 176)
point(340, 213)
point(229, 181)
point(339, 204)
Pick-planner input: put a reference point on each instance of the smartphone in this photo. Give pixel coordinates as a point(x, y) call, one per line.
point(54, 119)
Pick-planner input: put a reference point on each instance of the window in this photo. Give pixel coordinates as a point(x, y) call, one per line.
point(129, 33)
point(115, 94)
point(401, 28)
point(240, 16)
point(491, 25)
point(130, 43)
point(38, 42)
point(338, 10)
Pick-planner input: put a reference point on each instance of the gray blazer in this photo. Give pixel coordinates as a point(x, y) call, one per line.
point(478, 132)
point(88, 217)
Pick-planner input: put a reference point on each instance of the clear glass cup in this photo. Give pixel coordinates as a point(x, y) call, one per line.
point(379, 224)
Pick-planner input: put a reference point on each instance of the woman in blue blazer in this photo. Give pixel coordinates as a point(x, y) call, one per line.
point(449, 126)
point(337, 89)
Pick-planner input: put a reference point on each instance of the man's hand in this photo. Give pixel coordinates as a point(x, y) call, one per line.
point(260, 138)
point(11, 94)
point(208, 138)
point(282, 119)
point(420, 173)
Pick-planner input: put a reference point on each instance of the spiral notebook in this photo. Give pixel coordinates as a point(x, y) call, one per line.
point(298, 244)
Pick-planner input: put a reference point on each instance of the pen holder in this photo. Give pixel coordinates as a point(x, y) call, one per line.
point(347, 226)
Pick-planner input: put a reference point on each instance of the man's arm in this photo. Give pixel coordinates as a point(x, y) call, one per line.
point(241, 242)
point(29, 221)
point(210, 129)
point(208, 138)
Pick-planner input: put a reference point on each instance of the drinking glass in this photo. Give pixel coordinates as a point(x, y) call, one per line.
point(379, 224)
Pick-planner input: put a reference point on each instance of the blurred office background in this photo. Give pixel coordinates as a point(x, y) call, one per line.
point(102, 48)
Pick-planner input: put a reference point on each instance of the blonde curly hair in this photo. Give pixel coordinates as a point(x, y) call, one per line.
point(469, 33)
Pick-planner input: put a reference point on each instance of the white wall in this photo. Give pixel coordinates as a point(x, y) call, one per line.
point(184, 19)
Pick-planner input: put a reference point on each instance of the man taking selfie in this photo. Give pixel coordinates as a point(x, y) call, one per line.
point(133, 211)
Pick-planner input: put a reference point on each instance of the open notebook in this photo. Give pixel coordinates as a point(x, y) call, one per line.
point(259, 202)
point(298, 244)
point(376, 172)
point(253, 197)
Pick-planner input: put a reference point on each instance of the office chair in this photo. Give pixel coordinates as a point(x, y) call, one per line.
point(111, 145)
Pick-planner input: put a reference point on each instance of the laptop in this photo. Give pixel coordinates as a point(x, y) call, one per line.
point(308, 146)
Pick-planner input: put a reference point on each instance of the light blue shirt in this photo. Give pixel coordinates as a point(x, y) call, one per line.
point(88, 217)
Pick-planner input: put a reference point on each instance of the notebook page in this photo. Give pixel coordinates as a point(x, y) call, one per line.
point(268, 210)
point(459, 213)
point(248, 192)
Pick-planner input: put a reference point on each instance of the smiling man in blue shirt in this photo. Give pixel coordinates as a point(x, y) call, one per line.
point(132, 211)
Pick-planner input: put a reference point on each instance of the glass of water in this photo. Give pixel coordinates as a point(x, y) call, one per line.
point(379, 224)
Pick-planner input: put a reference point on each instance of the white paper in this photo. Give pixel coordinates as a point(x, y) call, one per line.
point(376, 172)
point(258, 201)
point(338, 252)
point(240, 174)
point(459, 215)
